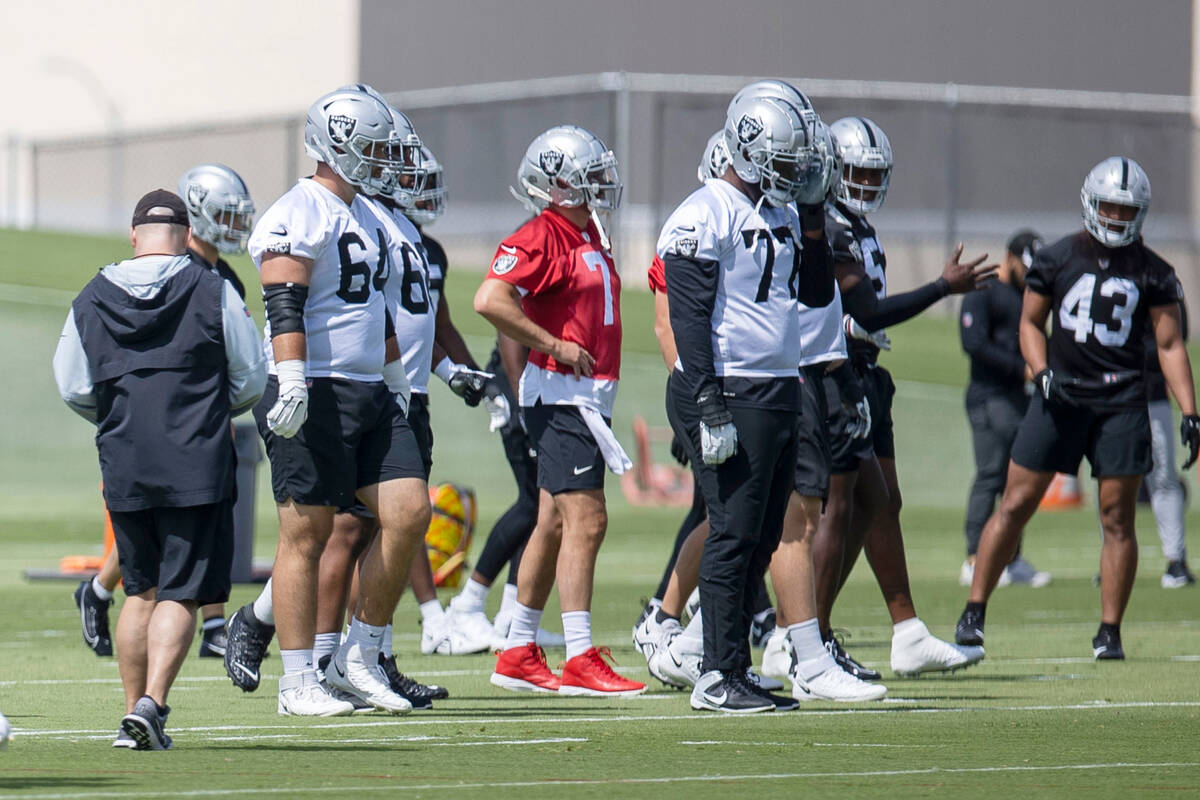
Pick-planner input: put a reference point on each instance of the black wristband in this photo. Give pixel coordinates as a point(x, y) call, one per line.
point(710, 402)
point(285, 307)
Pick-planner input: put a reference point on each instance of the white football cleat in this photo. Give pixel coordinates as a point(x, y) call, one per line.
point(465, 632)
point(647, 635)
point(352, 671)
point(916, 650)
point(777, 655)
point(693, 604)
point(1020, 571)
point(5, 732)
point(675, 666)
point(837, 685)
point(301, 694)
point(966, 574)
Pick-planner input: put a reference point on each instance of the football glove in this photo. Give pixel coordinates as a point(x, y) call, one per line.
point(678, 451)
point(397, 383)
point(1052, 387)
point(290, 411)
point(468, 384)
point(718, 435)
point(498, 407)
point(1189, 431)
point(855, 331)
point(854, 400)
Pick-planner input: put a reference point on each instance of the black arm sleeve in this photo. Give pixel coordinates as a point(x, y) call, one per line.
point(815, 282)
point(285, 307)
point(692, 290)
point(977, 338)
point(875, 314)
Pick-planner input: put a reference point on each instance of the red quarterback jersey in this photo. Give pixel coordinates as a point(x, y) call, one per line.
point(656, 276)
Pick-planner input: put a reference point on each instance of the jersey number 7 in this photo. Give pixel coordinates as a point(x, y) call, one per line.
point(783, 235)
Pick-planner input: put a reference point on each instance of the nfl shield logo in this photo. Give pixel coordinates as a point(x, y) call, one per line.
point(341, 128)
point(748, 129)
point(551, 162)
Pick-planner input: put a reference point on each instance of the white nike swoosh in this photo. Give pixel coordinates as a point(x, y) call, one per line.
point(509, 250)
point(718, 700)
point(253, 674)
point(1096, 651)
point(581, 470)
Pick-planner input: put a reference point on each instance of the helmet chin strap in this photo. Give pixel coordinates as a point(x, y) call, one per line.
point(604, 241)
point(525, 200)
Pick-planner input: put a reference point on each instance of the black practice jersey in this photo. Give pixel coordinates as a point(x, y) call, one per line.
point(1101, 301)
point(988, 326)
point(435, 255)
point(852, 238)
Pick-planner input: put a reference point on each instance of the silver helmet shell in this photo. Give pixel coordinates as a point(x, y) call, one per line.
point(770, 145)
point(430, 203)
point(715, 160)
point(220, 210)
point(355, 133)
point(1117, 180)
point(570, 167)
point(861, 144)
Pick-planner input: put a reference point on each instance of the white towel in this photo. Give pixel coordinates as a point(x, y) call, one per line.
point(610, 448)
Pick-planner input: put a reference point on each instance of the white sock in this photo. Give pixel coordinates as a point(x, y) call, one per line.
point(909, 630)
point(508, 600)
point(761, 616)
point(367, 637)
point(524, 626)
point(431, 610)
point(472, 597)
point(213, 622)
point(811, 656)
point(101, 592)
point(264, 606)
point(385, 646)
point(296, 661)
point(325, 644)
point(577, 629)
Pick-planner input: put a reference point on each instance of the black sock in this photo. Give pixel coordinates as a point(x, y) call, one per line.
point(661, 616)
point(979, 608)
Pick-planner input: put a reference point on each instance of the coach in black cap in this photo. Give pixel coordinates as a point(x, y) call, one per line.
point(160, 353)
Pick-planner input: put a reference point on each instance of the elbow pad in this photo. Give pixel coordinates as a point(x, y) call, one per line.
point(285, 307)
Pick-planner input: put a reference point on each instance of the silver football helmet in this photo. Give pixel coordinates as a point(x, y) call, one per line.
point(355, 132)
point(774, 87)
point(770, 146)
point(429, 204)
point(220, 210)
point(866, 163)
point(716, 158)
point(1120, 181)
point(822, 170)
point(569, 166)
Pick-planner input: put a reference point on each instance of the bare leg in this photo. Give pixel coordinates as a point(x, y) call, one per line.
point(686, 574)
point(584, 522)
point(303, 532)
point(168, 637)
point(1118, 553)
point(1023, 491)
point(539, 563)
point(402, 507)
point(884, 546)
point(792, 562)
point(870, 499)
point(420, 576)
point(110, 571)
point(828, 541)
point(350, 537)
point(131, 644)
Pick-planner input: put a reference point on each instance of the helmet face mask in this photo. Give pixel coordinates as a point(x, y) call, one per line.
point(430, 203)
point(220, 210)
point(1116, 199)
point(866, 158)
point(570, 167)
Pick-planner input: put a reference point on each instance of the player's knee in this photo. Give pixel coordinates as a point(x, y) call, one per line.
point(1117, 523)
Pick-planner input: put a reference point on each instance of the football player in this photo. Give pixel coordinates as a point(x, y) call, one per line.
point(733, 262)
point(864, 470)
point(553, 287)
point(333, 418)
point(1105, 292)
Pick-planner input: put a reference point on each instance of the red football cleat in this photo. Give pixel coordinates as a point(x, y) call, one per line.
point(523, 669)
point(589, 674)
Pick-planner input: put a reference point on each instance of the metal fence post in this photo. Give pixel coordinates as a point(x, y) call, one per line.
point(952, 158)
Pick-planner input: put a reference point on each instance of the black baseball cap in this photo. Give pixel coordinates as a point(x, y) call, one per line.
point(160, 206)
point(1024, 244)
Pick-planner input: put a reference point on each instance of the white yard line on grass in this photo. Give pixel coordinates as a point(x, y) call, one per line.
point(551, 783)
point(1098, 705)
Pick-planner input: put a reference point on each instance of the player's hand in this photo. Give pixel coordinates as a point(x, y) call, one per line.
point(1189, 431)
point(678, 451)
point(718, 443)
point(290, 411)
point(575, 357)
point(855, 331)
point(967, 276)
point(499, 409)
point(1052, 388)
point(468, 384)
point(860, 428)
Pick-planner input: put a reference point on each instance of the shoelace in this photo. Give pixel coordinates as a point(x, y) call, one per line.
point(598, 654)
point(539, 654)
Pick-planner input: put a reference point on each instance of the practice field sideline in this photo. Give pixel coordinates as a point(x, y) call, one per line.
point(1038, 717)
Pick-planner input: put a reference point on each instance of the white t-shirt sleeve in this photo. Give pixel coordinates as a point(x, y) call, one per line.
point(692, 231)
point(296, 224)
point(247, 362)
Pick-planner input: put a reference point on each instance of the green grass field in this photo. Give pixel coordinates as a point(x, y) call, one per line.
point(1038, 718)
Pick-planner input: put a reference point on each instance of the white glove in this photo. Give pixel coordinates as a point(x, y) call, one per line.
point(500, 410)
point(287, 416)
point(718, 444)
point(861, 426)
point(397, 383)
point(855, 331)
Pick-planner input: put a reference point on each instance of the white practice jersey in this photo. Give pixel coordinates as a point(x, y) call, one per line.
point(344, 315)
point(755, 320)
point(409, 299)
point(822, 337)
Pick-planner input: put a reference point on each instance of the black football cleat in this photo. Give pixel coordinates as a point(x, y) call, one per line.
point(419, 694)
point(969, 630)
point(145, 726)
point(845, 661)
point(1107, 645)
point(730, 693)
point(245, 647)
point(213, 641)
point(93, 617)
point(761, 631)
point(1177, 575)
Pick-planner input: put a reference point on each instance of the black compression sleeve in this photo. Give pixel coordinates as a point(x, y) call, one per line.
point(815, 281)
point(285, 307)
point(692, 291)
point(875, 314)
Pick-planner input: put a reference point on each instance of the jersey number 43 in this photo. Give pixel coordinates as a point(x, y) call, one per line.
point(1075, 311)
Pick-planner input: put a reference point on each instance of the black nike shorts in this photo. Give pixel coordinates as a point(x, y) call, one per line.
point(568, 458)
point(186, 552)
point(880, 389)
point(845, 452)
point(355, 436)
point(813, 457)
point(1056, 438)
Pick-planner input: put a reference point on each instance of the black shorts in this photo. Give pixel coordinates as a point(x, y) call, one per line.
point(186, 552)
point(418, 420)
point(568, 458)
point(813, 458)
point(880, 389)
point(1056, 438)
point(845, 452)
point(354, 436)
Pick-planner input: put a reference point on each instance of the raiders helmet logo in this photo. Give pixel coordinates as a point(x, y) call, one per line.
point(748, 129)
point(195, 197)
point(341, 128)
point(504, 264)
point(551, 162)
